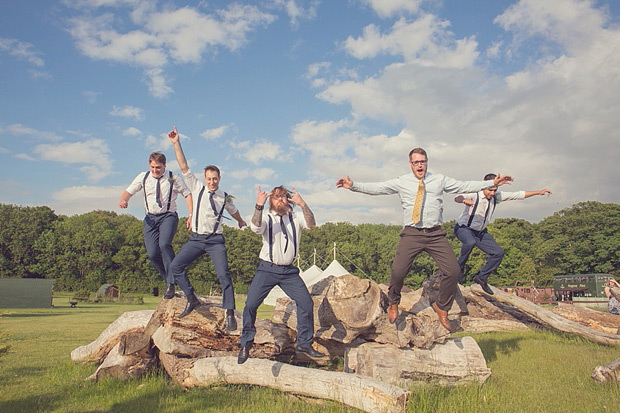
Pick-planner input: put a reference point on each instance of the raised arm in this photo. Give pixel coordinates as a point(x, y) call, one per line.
point(539, 192)
point(308, 215)
point(178, 151)
point(261, 198)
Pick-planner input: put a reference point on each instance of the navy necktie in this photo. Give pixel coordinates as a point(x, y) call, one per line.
point(158, 192)
point(284, 232)
point(211, 193)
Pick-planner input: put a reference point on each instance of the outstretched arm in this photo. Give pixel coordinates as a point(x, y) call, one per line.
point(346, 183)
point(539, 192)
point(178, 151)
point(502, 180)
point(460, 199)
point(124, 202)
point(308, 215)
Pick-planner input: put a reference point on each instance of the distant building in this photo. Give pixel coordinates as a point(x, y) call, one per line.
point(108, 291)
point(567, 287)
point(26, 292)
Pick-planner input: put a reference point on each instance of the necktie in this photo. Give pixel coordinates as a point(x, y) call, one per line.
point(211, 193)
point(416, 215)
point(158, 192)
point(284, 232)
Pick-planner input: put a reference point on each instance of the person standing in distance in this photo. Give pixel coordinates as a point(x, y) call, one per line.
point(421, 197)
point(471, 228)
point(209, 205)
point(281, 230)
point(160, 189)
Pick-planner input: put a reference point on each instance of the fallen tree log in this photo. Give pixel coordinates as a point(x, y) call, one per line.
point(609, 373)
point(364, 393)
point(458, 361)
point(131, 357)
point(97, 350)
point(598, 320)
point(549, 318)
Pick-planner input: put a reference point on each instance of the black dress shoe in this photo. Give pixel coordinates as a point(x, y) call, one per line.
point(244, 353)
point(483, 284)
point(169, 292)
point(192, 302)
point(310, 351)
point(231, 322)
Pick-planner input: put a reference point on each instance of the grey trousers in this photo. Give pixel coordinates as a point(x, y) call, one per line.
point(414, 241)
point(159, 231)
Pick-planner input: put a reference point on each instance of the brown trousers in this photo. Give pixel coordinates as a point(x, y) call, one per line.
point(412, 242)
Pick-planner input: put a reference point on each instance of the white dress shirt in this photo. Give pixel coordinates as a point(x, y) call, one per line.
point(204, 212)
point(406, 186)
point(279, 240)
point(166, 184)
point(485, 208)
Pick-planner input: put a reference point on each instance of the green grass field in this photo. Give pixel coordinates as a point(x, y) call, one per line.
point(532, 372)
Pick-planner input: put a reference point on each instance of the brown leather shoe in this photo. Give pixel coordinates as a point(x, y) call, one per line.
point(443, 316)
point(392, 313)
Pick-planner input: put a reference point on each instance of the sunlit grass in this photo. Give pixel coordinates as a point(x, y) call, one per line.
point(531, 372)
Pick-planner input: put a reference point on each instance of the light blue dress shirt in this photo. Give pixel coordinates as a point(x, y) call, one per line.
point(406, 186)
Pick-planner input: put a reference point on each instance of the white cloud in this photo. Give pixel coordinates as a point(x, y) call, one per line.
point(215, 133)
point(91, 96)
point(127, 112)
point(132, 132)
point(153, 39)
point(17, 129)
point(86, 198)
point(260, 174)
point(425, 40)
point(296, 11)
point(389, 8)
point(25, 157)
point(93, 153)
point(22, 50)
point(262, 151)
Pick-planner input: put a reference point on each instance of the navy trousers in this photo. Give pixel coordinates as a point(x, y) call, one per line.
point(159, 231)
point(268, 276)
point(198, 245)
point(483, 240)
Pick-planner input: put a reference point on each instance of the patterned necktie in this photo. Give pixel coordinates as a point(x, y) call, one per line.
point(284, 232)
point(416, 215)
point(211, 193)
point(158, 192)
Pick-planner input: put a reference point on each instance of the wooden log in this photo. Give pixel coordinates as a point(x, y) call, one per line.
point(122, 365)
point(484, 325)
point(457, 361)
point(609, 373)
point(96, 351)
point(598, 320)
point(549, 318)
point(364, 393)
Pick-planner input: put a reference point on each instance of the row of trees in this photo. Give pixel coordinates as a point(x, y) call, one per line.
point(84, 251)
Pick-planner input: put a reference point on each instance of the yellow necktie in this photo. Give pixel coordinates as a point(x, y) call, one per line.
point(416, 215)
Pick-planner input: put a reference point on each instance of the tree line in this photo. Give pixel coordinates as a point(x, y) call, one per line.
point(82, 252)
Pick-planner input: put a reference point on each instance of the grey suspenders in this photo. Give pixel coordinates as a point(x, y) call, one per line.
point(293, 230)
point(486, 214)
point(146, 202)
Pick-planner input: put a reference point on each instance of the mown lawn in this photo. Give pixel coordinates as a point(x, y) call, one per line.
point(532, 372)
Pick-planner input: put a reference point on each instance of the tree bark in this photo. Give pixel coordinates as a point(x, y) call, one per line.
point(124, 361)
point(608, 373)
point(364, 393)
point(598, 320)
point(96, 351)
point(549, 318)
point(457, 361)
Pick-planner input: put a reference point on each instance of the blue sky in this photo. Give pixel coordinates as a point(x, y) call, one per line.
point(303, 92)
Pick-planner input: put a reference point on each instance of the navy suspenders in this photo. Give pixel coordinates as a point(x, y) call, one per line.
point(146, 202)
point(219, 217)
point(270, 235)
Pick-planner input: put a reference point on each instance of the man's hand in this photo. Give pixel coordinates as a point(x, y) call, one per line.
point(544, 192)
point(502, 179)
point(297, 199)
point(468, 202)
point(173, 135)
point(188, 223)
point(122, 203)
point(345, 183)
point(261, 196)
point(241, 223)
